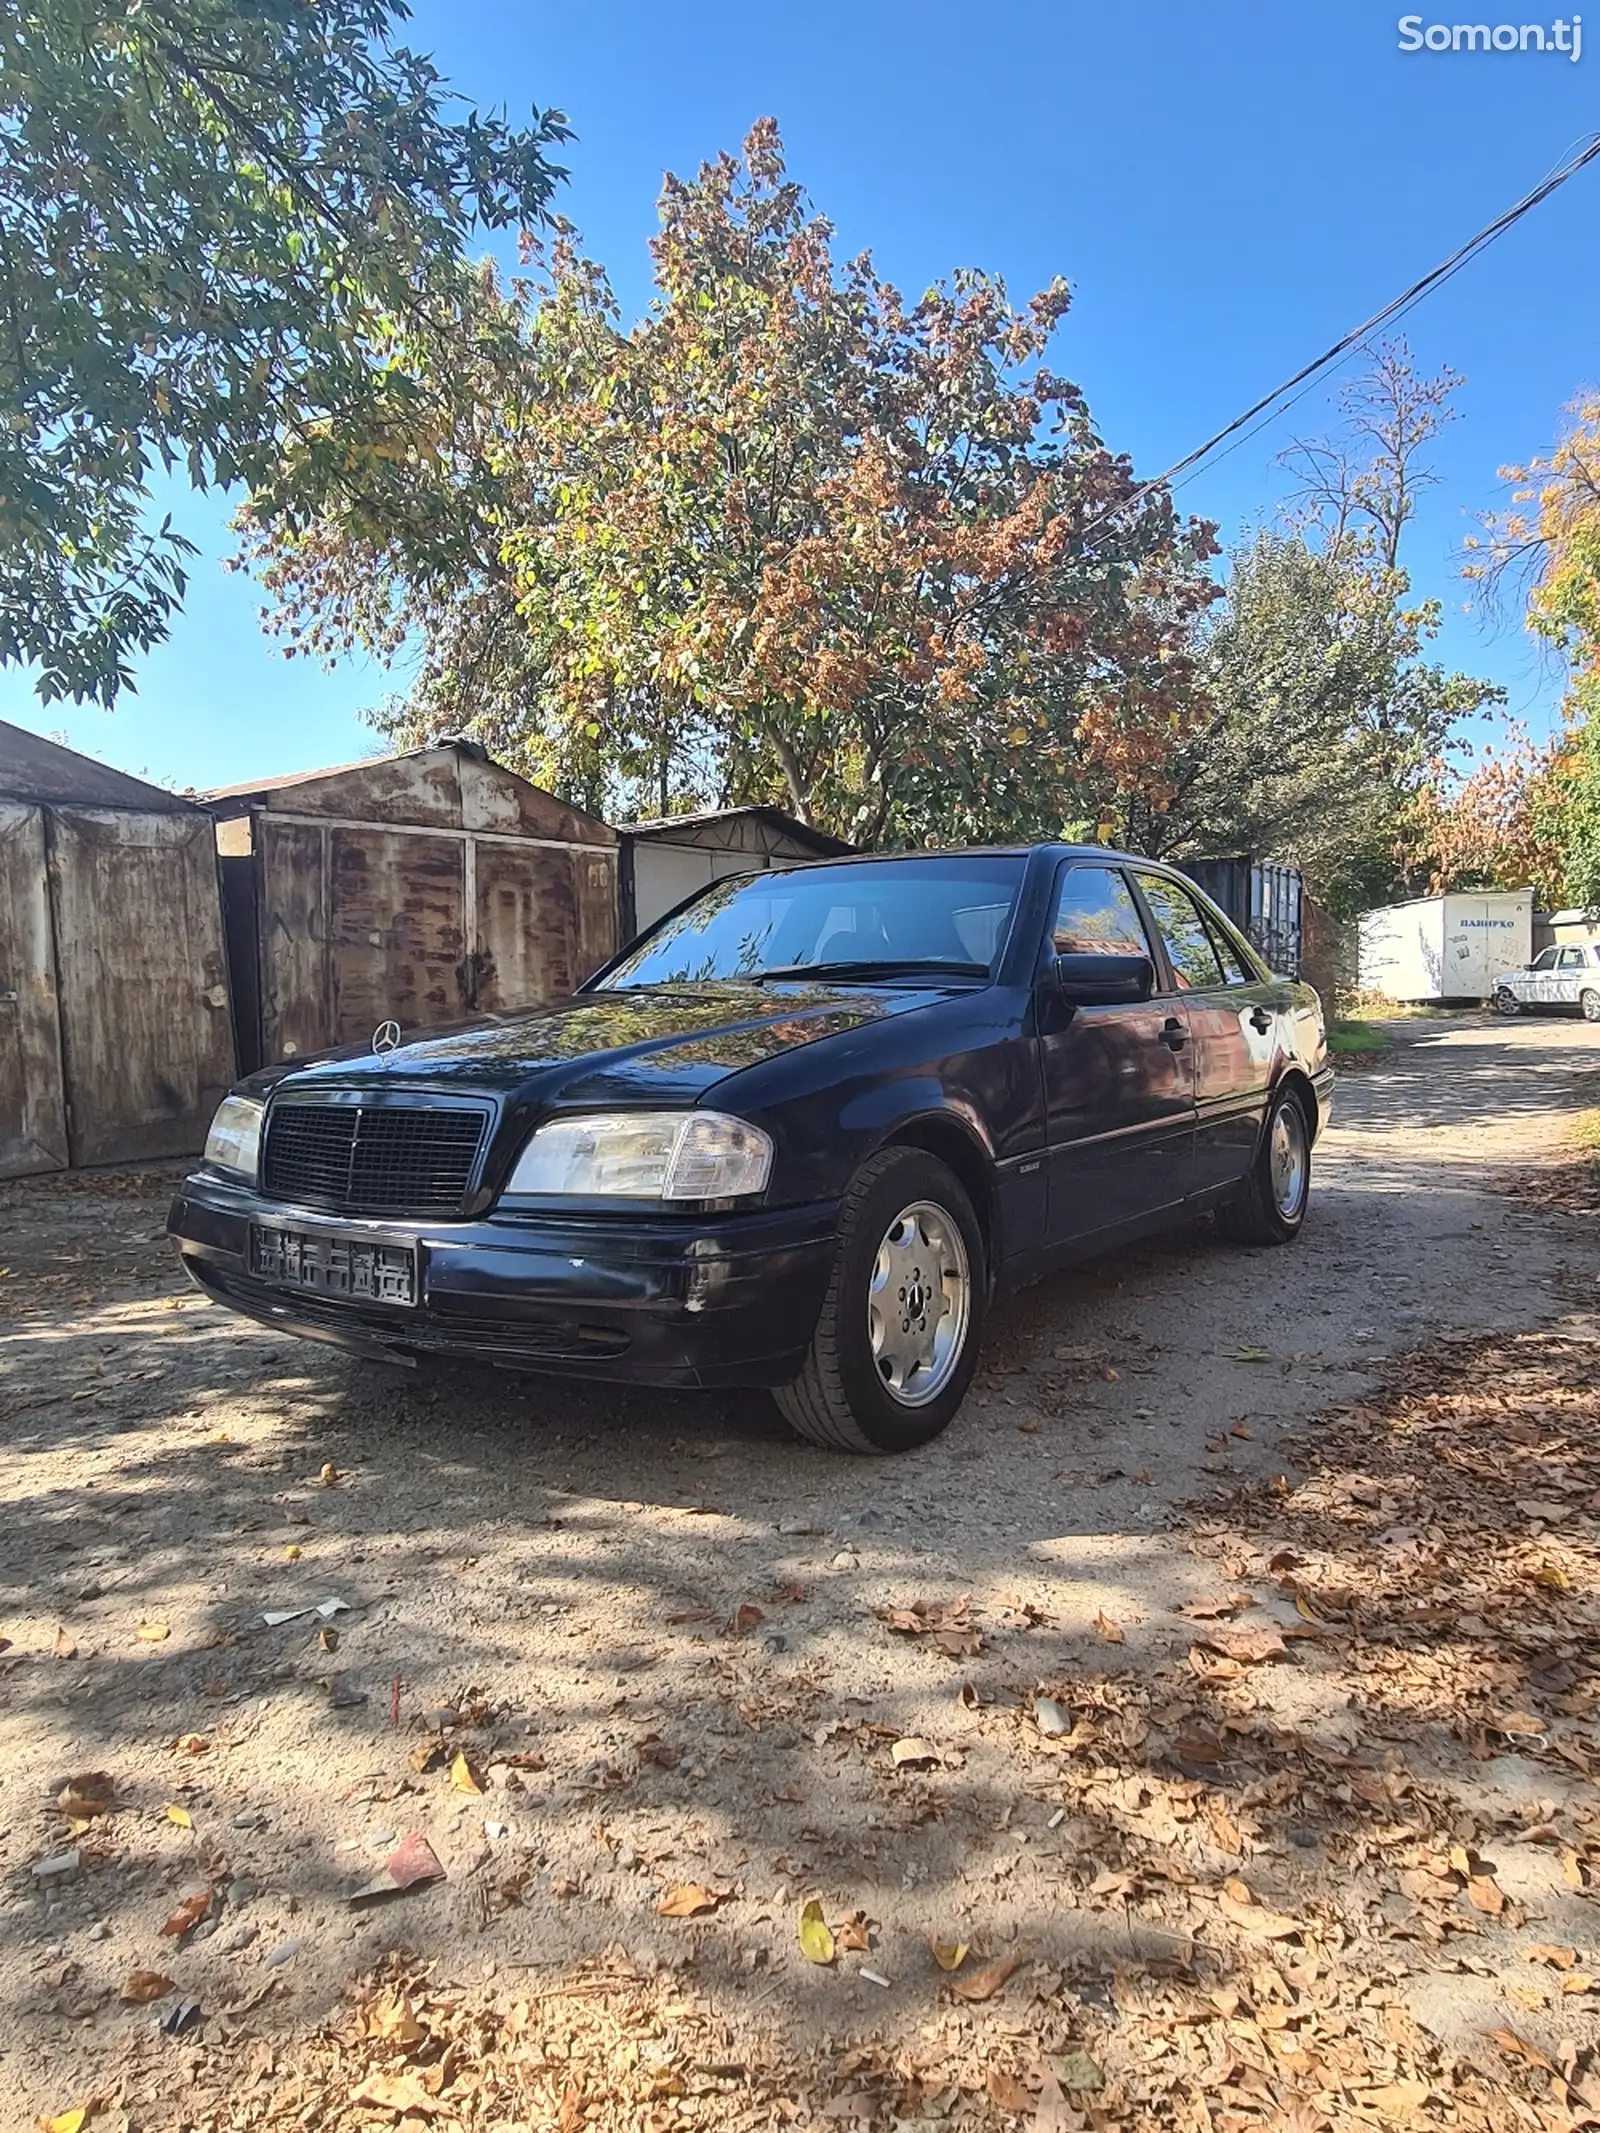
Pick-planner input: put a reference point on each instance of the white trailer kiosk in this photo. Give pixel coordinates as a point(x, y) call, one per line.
point(1446, 947)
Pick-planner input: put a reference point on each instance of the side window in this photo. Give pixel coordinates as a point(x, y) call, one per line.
point(1544, 960)
point(1177, 915)
point(1096, 915)
point(1572, 958)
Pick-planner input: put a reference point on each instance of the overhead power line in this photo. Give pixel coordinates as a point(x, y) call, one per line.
point(1391, 311)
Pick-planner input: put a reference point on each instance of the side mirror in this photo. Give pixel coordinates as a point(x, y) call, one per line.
point(1103, 980)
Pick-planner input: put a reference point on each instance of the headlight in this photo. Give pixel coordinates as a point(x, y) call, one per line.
point(646, 1155)
point(234, 1142)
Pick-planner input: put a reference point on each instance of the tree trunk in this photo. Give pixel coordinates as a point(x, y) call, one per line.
point(788, 763)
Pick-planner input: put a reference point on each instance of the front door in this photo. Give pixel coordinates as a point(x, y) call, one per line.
point(1118, 1084)
point(145, 1027)
point(1233, 1017)
point(1538, 986)
point(33, 1110)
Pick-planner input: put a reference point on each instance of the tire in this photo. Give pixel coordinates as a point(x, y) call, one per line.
point(1506, 1003)
point(1589, 1001)
point(1270, 1207)
point(905, 1214)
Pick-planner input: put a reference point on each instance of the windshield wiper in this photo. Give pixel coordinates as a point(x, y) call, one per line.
point(885, 967)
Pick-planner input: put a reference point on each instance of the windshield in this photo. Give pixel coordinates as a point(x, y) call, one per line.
point(882, 918)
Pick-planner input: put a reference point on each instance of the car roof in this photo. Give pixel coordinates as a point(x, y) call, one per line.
point(987, 851)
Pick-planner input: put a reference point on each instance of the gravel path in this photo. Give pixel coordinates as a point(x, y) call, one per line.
point(650, 1621)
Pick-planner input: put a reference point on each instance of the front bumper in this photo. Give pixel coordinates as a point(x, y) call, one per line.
point(1322, 1082)
point(664, 1300)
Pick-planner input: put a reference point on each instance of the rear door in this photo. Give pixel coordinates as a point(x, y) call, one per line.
point(1232, 1013)
point(1118, 1086)
point(1570, 975)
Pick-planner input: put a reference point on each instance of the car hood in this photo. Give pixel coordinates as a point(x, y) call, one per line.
point(648, 1044)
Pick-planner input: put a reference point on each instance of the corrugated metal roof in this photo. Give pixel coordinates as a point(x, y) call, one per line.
point(32, 768)
point(252, 786)
point(663, 826)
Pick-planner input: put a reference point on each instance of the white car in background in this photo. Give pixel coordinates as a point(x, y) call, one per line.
point(1557, 977)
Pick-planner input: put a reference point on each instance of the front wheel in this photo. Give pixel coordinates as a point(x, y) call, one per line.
point(1589, 1001)
point(1507, 1003)
point(1270, 1205)
point(898, 1338)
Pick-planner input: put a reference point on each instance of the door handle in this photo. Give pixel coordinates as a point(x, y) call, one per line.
point(1173, 1034)
point(1260, 1021)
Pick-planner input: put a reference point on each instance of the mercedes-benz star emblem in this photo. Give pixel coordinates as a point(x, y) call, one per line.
point(386, 1037)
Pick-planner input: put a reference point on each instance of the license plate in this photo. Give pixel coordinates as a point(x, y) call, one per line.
point(353, 1268)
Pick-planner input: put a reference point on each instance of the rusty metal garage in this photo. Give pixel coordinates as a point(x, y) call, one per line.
point(115, 1039)
point(425, 888)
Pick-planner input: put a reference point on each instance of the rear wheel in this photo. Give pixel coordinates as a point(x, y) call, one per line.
point(1589, 1001)
point(1506, 1003)
point(898, 1338)
point(1270, 1206)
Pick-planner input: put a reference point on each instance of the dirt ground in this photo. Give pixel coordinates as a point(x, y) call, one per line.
point(1256, 1525)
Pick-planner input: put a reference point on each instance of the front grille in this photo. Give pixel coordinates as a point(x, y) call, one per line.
point(372, 1159)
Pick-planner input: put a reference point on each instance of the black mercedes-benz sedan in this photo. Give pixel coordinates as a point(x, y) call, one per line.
point(799, 1136)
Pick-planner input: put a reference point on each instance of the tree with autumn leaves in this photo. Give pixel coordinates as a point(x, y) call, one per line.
point(1530, 812)
point(791, 537)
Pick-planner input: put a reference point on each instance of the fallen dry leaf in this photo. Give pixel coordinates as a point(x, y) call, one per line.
point(1110, 1632)
point(1253, 1646)
point(72, 2121)
point(1550, 1952)
point(948, 1954)
point(816, 1942)
point(913, 1750)
point(143, 1987)
point(985, 1983)
point(66, 1645)
point(152, 1633)
point(1485, 1894)
point(1516, 2047)
point(1076, 2070)
point(191, 1744)
point(928, 1617)
point(188, 1915)
point(401, 2093)
point(853, 1935)
point(746, 1618)
point(93, 1793)
point(1053, 2113)
point(181, 1816)
point(1252, 1917)
point(689, 1900)
point(396, 2020)
point(1006, 2090)
point(462, 1775)
point(1398, 2100)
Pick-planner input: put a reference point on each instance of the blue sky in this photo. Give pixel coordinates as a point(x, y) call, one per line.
point(1227, 186)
